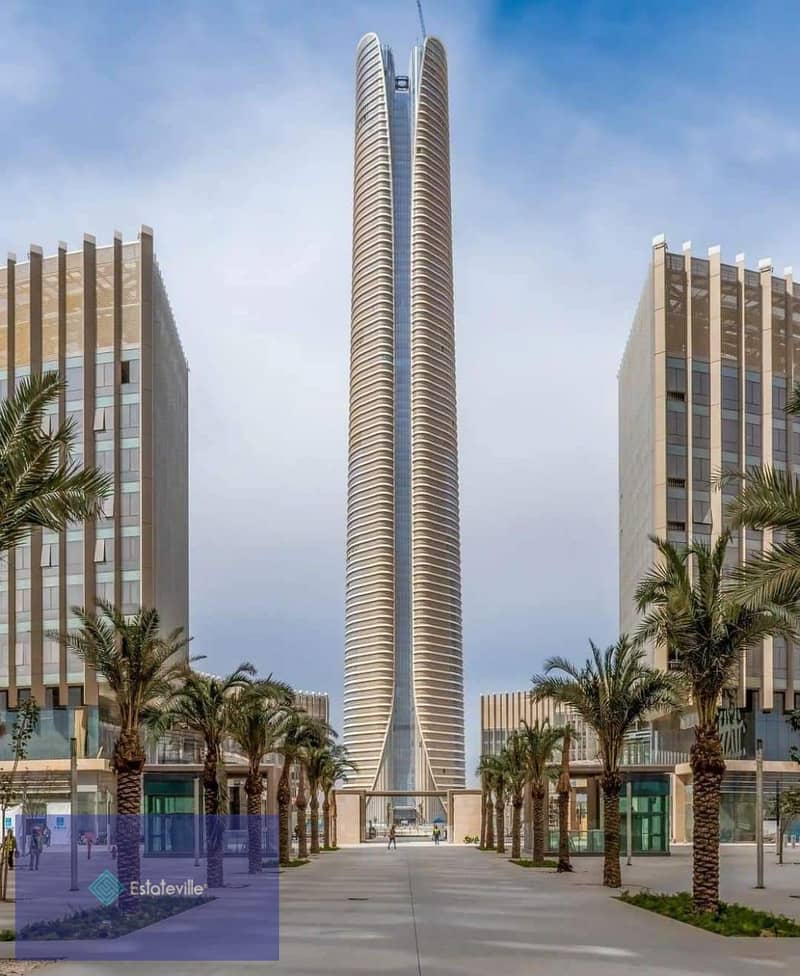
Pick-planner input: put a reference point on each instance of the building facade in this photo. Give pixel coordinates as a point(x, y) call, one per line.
point(100, 316)
point(403, 698)
point(644, 765)
point(712, 354)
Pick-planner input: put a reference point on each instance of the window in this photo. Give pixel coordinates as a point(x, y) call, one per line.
point(100, 551)
point(74, 556)
point(129, 460)
point(103, 419)
point(104, 460)
point(676, 509)
point(676, 466)
point(74, 381)
point(23, 557)
point(130, 372)
point(49, 598)
point(105, 375)
point(730, 435)
point(701, 425)
point(23, 601)
point(49, 554)
point(130, 593)
point(730, 393)
point(23, 695)
point(752, 437)
point(108, 506)
point(75, 696)
point(676, 422)
point(130, 552)
point(51, 699)
point(701, 386)
point(74, 595)
point(779, 440)
point(129, 416)
point(23, 650)
point(129, 506)
point(50, 424)
point(50, 651)
point(753, 395)
point(701, 469)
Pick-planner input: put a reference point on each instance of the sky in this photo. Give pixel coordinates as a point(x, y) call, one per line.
point(580, 130)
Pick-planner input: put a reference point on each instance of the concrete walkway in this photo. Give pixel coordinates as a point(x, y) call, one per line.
point(453, 911)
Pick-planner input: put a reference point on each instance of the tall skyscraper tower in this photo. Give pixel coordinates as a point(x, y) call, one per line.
point(404, 698)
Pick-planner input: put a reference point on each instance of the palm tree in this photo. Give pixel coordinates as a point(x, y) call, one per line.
point(770, 499)
point(299, 732)
point(254, 725)
point(540, 741)
point(515, 759)
point(336, 767)
point(140, 667)
point(315, 759)
point(564, 790)
point(202, 703)
point(41, 485)
point(499, 784)
point(488, 768)
point(612, 692)
point(690, 607)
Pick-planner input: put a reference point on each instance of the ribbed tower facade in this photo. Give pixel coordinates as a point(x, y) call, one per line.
point(404, 700)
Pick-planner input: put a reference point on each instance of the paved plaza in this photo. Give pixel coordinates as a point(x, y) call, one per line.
point(425, 911)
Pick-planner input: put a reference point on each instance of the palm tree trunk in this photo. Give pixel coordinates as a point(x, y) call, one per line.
point(128, 762)
point(516, 827)
point(611, 783)
point(564, 789)
point(500, 816)
point(708, 768)
point(253, 789)
point(563, 832)
point(284, 803)
point(214, 829)
point(483, 818)
point(314, 819)
point(539, 795)
point(334, 840)
point(301, 803)
point(489, 845)
point(326, 819)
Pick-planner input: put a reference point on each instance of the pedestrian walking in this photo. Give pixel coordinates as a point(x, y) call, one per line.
point(11, 848)
point(90, 839)
point(436, 834)
point(35, 849)
point(392, 838)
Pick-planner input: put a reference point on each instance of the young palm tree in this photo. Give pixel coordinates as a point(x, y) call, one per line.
point(499, 785)
point(564, 791)
point(202, 703)
point(336, 767)
point(40, 483)
point(515, 759)
point(140, 667)
point(612, 692)
point(488, 767)
point(484, 773)
point(316, 760)
point(299, 732)
point(690, 607)
point(540, 741)
point(255, 722)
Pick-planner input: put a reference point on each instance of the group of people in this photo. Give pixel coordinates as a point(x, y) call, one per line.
point(39, 839)
point(437, 836)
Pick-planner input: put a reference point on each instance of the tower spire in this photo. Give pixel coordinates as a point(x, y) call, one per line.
point(421, 19)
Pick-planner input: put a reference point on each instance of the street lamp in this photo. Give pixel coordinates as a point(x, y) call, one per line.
point(759, 814)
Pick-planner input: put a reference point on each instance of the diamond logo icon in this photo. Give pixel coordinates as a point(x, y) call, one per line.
point(106, 888)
